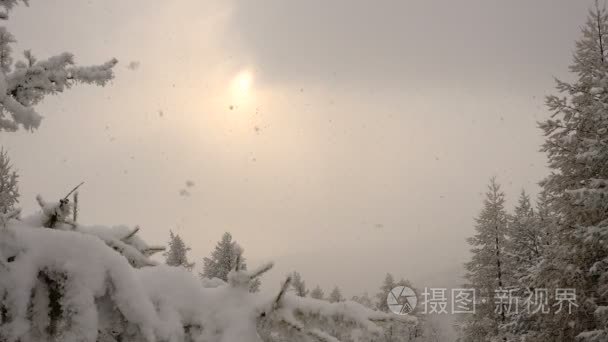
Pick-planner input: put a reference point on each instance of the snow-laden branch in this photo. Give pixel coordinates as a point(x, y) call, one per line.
point(31, 81)
point(8, 5)
point(25, 83)
point(94, 283)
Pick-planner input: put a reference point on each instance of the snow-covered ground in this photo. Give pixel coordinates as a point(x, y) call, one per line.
point(92, 283)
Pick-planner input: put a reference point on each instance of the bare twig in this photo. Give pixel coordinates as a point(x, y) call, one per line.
point(131, 234)
point(75, 210)
point(75, 188)
point(263, 269)
point(237, 266)
point(277, 302)
point(154, 249)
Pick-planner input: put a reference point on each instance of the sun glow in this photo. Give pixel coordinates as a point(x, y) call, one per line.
point(241, 86)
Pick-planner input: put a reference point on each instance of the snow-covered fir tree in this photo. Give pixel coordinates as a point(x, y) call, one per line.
point(9, 192)
point(298, 284)
point(227, 256)
point(317, 293)
point(176, 254)
point(525, 241)
point(385, 288)
point(487, 271)
point(335, 296)
point(222, 259)
point(388, 284)
point(546, 219)
point(577, 148)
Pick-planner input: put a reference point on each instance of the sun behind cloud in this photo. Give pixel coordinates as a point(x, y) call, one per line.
point(241, 87)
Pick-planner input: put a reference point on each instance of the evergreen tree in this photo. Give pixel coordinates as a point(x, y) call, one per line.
point(336, 295)
point(486, 272)
point(387, 286)
point(546, 219)
point(9, 193)
point(525, 240)
point(298, 284)
point(317, 293)
point(577, 148)
point(176, 254)
point(224, 259)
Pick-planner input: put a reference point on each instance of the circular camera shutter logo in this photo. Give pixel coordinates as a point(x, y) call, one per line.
point(401, 300)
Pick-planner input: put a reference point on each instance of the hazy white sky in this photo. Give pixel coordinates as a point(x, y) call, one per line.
point(362, 145)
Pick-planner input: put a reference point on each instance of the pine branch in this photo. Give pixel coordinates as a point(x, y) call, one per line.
point(131, 234)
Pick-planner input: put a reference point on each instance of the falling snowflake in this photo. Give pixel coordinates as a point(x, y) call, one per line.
point(133, 65)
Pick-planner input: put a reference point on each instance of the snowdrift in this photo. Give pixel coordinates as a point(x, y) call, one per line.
point(66, 282)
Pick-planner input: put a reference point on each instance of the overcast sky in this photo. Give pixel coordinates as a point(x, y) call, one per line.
point(343, 139)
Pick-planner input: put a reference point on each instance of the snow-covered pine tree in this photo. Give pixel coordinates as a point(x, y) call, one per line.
point(487, 272)
point(576, 144)
point(317, 293)
point(298, 284)
point(546, 218)
point(224, 258)
point(387, 286)
point(335, 296)
point(525, 241)
point(176, 255)
point(9, 193)
point(24, 83)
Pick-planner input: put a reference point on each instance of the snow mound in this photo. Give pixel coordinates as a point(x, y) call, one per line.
point(95, 283)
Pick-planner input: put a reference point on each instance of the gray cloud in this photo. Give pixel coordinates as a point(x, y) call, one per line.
point(405, 42)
